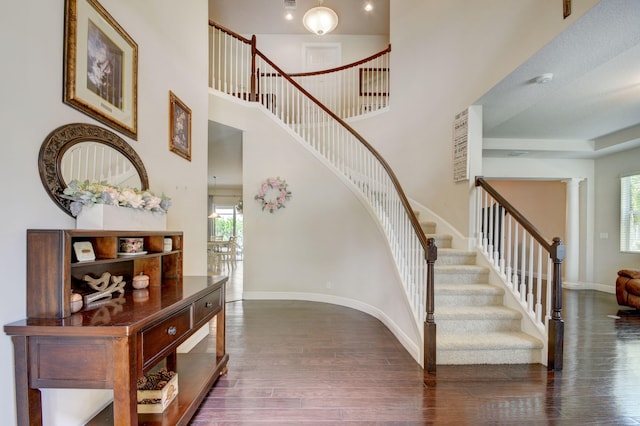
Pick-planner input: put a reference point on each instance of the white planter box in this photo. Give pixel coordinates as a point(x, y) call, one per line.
point(103, 216)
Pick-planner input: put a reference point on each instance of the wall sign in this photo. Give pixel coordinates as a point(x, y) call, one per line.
point(460, 139)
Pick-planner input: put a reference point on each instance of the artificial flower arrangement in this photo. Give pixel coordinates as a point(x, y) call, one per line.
point(89, 193)
point(281, 190)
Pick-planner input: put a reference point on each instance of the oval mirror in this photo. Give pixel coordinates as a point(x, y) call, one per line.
point(87, 152)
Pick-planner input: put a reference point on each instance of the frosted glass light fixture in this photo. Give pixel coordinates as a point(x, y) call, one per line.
point(320, 20)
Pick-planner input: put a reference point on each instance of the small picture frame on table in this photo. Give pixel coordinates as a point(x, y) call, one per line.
point(84, 251)
point(179, 127)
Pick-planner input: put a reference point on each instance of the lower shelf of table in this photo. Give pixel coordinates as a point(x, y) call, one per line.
point(197, 372)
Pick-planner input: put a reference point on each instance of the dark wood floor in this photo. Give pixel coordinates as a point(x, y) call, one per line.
point(312, 363)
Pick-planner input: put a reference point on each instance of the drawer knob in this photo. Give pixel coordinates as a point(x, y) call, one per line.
point(171, 331)
point(208, 305)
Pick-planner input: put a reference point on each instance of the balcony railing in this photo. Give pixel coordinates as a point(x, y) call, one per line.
point(351, 90)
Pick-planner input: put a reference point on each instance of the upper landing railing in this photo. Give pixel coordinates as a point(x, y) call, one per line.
point(239, 69)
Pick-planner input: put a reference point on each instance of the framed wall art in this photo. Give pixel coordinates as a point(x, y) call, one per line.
point(100, 66)
point(374, 81)
point(179, 127)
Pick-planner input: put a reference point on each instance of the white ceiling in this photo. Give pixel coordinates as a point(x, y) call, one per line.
point(267, 16)
point(590, 108)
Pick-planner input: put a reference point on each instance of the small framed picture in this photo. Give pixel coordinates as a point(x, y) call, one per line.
point(100, 66)
point(374, 81)
point(179, 127)
point(84, 251)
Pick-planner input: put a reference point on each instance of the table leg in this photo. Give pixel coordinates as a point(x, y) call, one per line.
point(220, 332)
point(28, 400)
point(125, 400)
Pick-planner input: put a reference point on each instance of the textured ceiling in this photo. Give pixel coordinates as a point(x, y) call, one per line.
point(594, 95)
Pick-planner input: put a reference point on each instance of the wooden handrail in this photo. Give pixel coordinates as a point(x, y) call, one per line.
point(254, 96)
point(556, 251)
point(343, 67)
point(429, 247)
point(513, 212)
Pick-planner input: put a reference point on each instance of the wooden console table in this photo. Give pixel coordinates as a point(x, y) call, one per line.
point(112, 348)
point(113, 344)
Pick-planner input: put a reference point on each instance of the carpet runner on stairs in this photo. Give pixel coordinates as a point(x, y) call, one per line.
point(473, 325)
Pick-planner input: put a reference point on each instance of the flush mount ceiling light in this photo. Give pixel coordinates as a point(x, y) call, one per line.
point(320, 20)
point(544, 78)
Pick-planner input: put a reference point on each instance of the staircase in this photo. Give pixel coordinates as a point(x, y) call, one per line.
point(474, 326)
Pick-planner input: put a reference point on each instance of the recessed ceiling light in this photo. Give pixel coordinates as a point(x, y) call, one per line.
point(368, 6)
point(288, 16)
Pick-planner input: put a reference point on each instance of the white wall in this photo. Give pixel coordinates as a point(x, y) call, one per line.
point(324, 245)
point(608, 257)
point(172, 41)
point(445, 55)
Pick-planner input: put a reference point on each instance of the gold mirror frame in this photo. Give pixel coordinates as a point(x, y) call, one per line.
point(64, 137)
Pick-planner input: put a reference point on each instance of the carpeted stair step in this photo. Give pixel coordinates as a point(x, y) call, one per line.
point(467, 295)
point(441, 240)
point(513, 347)
point(450, 256)
point(460, 274)
point(428, 227)
point(476, 319)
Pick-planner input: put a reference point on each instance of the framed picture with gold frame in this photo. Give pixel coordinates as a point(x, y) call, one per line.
point(100, 66)
point(179, 127)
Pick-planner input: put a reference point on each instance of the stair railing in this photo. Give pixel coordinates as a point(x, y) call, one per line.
point(239, 69)
point(531, 266)
point(351, 90)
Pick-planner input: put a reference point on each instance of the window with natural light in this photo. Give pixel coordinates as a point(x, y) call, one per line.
point(630, 213)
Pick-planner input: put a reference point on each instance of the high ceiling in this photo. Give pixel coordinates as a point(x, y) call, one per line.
point(590, 108)
point(267, 16)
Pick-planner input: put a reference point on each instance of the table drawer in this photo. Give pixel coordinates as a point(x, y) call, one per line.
point(157, 339)
point(207, 306)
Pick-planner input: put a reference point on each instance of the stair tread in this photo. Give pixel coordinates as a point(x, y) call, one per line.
point(453, 251)
point(439, 236)
point(492, 340)
point(462, 269)
point(473, 289)
point(476, 312)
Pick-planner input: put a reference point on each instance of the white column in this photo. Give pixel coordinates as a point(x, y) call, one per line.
point(572, 242)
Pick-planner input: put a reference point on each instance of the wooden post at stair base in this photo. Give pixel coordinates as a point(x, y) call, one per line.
point(429, 325)
point(253, 96)
point(555, 345)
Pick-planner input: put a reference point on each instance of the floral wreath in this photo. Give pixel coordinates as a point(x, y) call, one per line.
point(273, 185)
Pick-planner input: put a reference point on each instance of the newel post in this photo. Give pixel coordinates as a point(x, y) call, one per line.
point(556, 324)
point(253, 96)
point(429, 350)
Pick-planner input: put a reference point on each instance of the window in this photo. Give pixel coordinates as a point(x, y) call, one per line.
point(630, 213)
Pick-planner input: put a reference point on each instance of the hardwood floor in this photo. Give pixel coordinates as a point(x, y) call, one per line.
point(294, 362)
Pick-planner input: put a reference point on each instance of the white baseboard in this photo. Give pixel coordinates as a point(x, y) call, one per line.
point(578, 285)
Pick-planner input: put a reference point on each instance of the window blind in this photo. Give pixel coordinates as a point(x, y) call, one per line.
point(630, 213)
